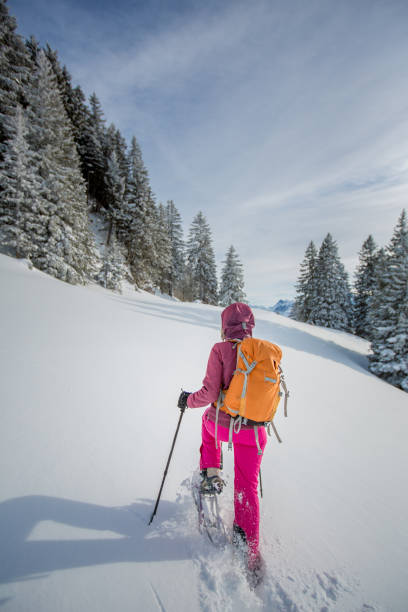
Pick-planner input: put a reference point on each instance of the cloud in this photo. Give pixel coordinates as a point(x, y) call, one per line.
point(166, 60)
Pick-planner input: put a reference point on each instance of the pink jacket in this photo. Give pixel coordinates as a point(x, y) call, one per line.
point(221, 365)
point(237, 322)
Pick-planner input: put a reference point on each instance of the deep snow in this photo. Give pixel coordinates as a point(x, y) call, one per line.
point(89, 385)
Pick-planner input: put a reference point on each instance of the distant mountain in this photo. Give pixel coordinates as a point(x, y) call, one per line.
point(282, 307)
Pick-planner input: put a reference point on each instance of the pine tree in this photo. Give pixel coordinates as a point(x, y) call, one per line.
point(364, 285)
point(174, 279)
point(389, 311)
point(201, 268)
point(232, 279)
point(95, 160)
point(22, 224)
point(140, 217)
point(63, 80)
point(15, 68)
point(81, 121)
point(376, 299)
point(113, 270)
point(120, 147)
point(332, 305)
point(306, 286)
point(115, 190)
point(68, 252)
point(163, 249)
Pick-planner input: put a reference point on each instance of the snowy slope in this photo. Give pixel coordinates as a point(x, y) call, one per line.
point(89, 384)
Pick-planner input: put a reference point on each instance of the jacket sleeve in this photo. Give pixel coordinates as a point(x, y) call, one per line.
point(211, 384)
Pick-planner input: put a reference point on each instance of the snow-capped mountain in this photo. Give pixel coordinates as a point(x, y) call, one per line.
point(282, 307)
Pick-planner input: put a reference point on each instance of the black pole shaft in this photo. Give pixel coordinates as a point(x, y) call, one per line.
point(260, 482)
point(167, 467)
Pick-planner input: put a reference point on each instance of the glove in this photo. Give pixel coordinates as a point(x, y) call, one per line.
point(182, 400)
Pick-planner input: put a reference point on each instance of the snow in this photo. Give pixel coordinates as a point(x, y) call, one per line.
point(89, 386)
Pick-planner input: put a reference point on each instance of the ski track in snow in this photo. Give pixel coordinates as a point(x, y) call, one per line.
point(157, 599)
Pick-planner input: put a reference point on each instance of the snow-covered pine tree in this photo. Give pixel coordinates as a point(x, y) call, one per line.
point(141, 218)
point(376, 299)
point(163, 249)
point(84, 135)
point(63, 79)
point(175, 232)
point(116, 179)
point(306, 286)
point(120, 146)
point(69, 251)
point(364, 285)
point(80, 117)
point(95, 160)
point(389, 312)
point(232, 279)
point(201, 268)
point(115, 191)
point(113, 270)
point(22, 222)
point(332, 305)
point(15, 68)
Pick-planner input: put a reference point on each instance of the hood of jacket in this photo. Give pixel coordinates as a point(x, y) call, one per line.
point(237, 321)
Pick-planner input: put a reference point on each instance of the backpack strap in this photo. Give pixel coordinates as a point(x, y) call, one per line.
point(270, 424)
point(285, 389)
point(248, 369)
point(220, 402)
point(231, 429)
point(235, 341)
point(238, 422)
point(257, 440)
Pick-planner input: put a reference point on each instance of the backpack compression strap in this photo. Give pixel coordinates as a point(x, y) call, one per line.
point(248, 369)
point(220, 402)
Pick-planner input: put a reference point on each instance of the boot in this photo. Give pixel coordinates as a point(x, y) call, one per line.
point(211, 481)
point(253, 562)
point(255, 570)
point(239, 540)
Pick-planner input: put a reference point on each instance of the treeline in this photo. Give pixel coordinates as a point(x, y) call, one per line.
point(59, 162)
point(376, 307)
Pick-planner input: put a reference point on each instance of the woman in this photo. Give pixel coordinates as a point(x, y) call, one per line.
point(237, 322)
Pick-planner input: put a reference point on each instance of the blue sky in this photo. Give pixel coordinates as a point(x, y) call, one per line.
point(280, 120)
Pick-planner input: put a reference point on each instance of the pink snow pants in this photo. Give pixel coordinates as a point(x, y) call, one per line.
point(246, 466)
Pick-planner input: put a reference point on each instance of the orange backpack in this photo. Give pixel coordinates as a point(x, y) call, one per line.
point(254, 392)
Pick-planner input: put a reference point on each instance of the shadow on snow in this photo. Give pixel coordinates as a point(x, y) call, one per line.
point(24, 559)
point(283, 335)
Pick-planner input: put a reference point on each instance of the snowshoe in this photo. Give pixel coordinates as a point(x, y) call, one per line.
point(239, 538)
point(211, 484)
point(209, 517)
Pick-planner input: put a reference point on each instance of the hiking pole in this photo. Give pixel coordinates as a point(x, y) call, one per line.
point(167, 466)
point(260, 483)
